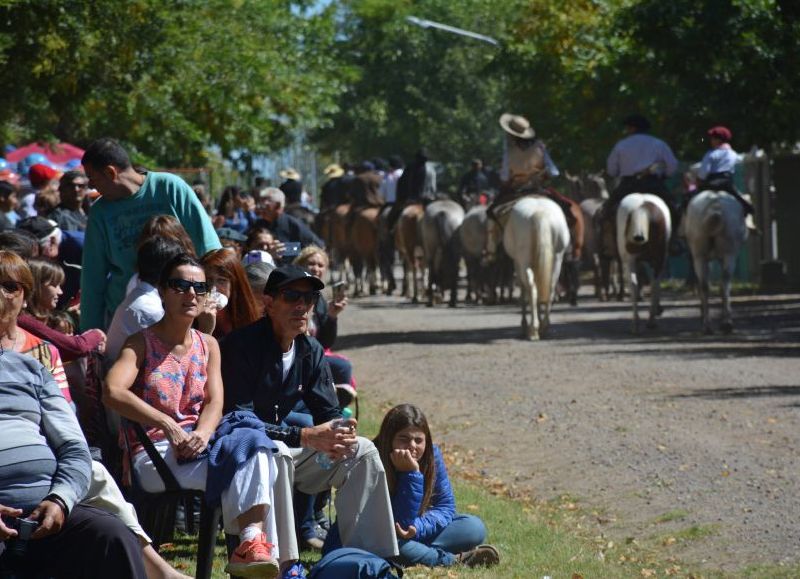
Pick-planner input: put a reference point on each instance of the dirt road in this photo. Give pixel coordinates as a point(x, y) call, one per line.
point(672, 426)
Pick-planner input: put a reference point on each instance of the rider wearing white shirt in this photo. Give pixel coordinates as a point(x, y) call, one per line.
point(642, 163)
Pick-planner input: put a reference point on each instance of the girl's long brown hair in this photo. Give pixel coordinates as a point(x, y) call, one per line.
point(398, 418)
point(44, 273)
point(243, 309)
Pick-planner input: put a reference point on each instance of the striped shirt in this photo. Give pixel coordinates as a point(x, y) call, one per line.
point(48, 356)
point(42, 449)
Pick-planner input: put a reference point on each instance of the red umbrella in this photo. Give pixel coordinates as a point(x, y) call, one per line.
point(58, 153)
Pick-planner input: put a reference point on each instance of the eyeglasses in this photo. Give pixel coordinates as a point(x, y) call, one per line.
point(293, 296)
point(183, 285)
point(11, 286)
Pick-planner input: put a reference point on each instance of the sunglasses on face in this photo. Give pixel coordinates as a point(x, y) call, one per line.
point(293, 296)
point(11, 286)
point(183, 285)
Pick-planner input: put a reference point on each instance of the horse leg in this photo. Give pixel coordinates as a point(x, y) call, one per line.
point(598, 278)
point(728, 265)
point(620, 290)
point(701, 271)
point(655, 301)
point(533, 330)
point(631, 265)
point(429, 303)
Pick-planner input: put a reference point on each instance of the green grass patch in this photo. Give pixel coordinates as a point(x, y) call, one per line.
point(675, 515)
point(559, 538)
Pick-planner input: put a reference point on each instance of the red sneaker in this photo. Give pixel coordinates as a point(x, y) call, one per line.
point(253, 559)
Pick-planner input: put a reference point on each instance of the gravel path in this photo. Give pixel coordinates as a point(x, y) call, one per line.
point(639, 426)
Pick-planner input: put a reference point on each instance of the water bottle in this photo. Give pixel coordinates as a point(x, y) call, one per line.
point(323, 460)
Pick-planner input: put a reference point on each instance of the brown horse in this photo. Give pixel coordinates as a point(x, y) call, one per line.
point(572, 259)
point(364, 247)
point(407, 242)
point(332, 227)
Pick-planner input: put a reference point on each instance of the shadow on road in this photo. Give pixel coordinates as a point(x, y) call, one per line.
point(471, 336)
point(734, 393)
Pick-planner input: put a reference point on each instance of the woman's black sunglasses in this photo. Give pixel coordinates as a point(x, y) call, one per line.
point(11, 286)
point(293, 296)
point(183, 285)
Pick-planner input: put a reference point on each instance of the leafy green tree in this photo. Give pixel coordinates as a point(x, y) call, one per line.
point(169, 78)
point(411, 87)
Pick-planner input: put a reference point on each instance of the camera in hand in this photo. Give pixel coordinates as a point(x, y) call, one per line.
point(291, 249)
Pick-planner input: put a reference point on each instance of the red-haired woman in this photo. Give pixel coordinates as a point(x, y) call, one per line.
point(239, 306)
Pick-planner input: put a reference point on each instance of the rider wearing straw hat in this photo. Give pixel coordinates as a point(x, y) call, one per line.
point(527, 166)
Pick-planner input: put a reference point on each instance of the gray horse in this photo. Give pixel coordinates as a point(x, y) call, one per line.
point(483, 277)
point(440, 241)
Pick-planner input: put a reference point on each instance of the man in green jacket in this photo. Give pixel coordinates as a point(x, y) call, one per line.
point(129, 199)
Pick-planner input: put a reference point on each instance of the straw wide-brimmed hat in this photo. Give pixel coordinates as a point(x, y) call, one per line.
point(333, 171)
point(290, 173)
point(517, 125)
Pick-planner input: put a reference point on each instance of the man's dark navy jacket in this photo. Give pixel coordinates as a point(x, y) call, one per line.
point(252, 377)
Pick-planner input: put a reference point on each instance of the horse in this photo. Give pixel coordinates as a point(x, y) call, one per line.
point(332, 228)
point(363, 248)
point(483, 278)
point(472, 235)
point(386, 250)
point(536, 236)
point(643, 231)
point(715, 229)
point(407, 241)
point(571, 268)
point(439, 226)
point(600, 252)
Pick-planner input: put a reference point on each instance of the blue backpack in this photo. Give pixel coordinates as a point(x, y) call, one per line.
point(351, 563)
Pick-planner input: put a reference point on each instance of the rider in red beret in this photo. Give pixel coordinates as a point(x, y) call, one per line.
point(718, 165)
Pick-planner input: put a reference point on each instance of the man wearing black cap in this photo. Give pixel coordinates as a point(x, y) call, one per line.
point(270, 365)
point(642, 163)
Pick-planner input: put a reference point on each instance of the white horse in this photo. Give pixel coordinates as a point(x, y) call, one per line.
point(536, 236)
point(643, 230)
point(715, 229)
point(439, 231)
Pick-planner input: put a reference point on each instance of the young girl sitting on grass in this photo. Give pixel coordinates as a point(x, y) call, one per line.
point(429, 530)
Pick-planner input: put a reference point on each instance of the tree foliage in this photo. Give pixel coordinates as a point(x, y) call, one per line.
point(170, 78)
point(413, 87)
point(575, 68)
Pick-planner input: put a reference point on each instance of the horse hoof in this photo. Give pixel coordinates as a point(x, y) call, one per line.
point(452, 305)
point(533, 337)
point(429, 305)
point(414, 300)
point(726, 327)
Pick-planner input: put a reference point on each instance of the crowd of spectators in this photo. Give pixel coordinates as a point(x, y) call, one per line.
point(200, 329)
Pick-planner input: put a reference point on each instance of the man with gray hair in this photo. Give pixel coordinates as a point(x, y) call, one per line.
point(270, 204)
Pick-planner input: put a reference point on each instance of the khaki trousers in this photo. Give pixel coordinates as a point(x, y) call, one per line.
point(363, 506)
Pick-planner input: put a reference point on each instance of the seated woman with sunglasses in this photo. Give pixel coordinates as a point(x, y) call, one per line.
point(168, 378)
point(16, 286)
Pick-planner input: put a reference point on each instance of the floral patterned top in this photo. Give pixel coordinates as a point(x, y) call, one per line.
point(172, 385)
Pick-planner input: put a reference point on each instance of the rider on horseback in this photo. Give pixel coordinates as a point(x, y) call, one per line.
point(642, 162)
point(527, 166)
point(717, 167)
point(417, 184)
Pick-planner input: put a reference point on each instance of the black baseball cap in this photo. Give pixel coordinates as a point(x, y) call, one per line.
point(286, 274)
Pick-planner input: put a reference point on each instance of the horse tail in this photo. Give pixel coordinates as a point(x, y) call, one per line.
point(543, 256)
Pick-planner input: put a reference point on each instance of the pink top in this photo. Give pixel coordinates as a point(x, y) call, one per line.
point(172, 385)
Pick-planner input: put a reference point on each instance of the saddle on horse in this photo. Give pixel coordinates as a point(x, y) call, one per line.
point(722, 182)
point(505, 200)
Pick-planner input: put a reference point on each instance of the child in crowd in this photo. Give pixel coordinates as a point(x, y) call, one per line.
point(429, 530)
